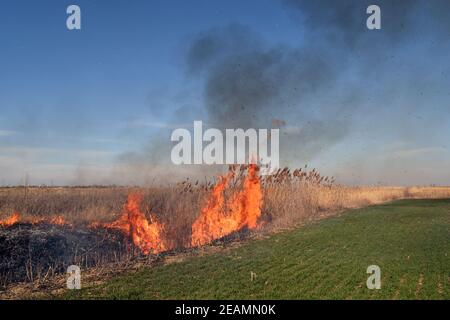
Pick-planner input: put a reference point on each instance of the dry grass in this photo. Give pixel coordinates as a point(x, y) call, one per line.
point(289, 198)
point(296, 197)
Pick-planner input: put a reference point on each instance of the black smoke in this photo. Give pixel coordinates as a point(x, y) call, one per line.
point(248, 81)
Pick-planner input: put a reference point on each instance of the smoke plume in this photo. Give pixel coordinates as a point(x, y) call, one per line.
point(314, 91)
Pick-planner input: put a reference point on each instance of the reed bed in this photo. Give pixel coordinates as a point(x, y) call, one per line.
point(290, 197)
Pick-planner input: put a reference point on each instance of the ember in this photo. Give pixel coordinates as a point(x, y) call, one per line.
point(11, 220)
point(15, 218)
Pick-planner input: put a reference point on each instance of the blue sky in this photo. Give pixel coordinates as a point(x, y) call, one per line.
point(74, 104)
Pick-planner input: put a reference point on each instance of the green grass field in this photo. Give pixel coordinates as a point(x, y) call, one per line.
point(409, 240)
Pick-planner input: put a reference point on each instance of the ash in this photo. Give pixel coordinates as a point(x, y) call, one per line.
point(34, 252)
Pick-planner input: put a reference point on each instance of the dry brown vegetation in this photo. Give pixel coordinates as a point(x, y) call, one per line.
point(289, 198)
point(297, 197)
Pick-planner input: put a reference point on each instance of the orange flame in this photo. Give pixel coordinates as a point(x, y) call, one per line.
point(16, 218)
point(13, 219)
point(246, 205)
point(145, 235)
point(219, 218)
point(57, 220)
point(212, 223)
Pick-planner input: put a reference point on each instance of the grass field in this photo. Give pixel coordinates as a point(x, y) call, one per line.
point(408, 239)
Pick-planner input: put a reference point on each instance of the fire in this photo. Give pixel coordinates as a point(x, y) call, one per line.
point(13, 219)
point(212, 223)
point(16, 218)
point(146, 235)
point(57, 220)
point(219, 218)
point(226, 211)
point(246, 205)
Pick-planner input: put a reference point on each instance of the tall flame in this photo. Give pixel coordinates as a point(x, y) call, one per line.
point(219, 218)
point(145, 235)
point(246, 205)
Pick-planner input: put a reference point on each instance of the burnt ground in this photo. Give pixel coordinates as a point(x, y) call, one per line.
point(128, 260)
point(34, 252)
point(34, 258)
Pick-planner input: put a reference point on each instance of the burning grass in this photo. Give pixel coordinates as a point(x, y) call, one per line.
point(221, 217)
point(43, 230)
